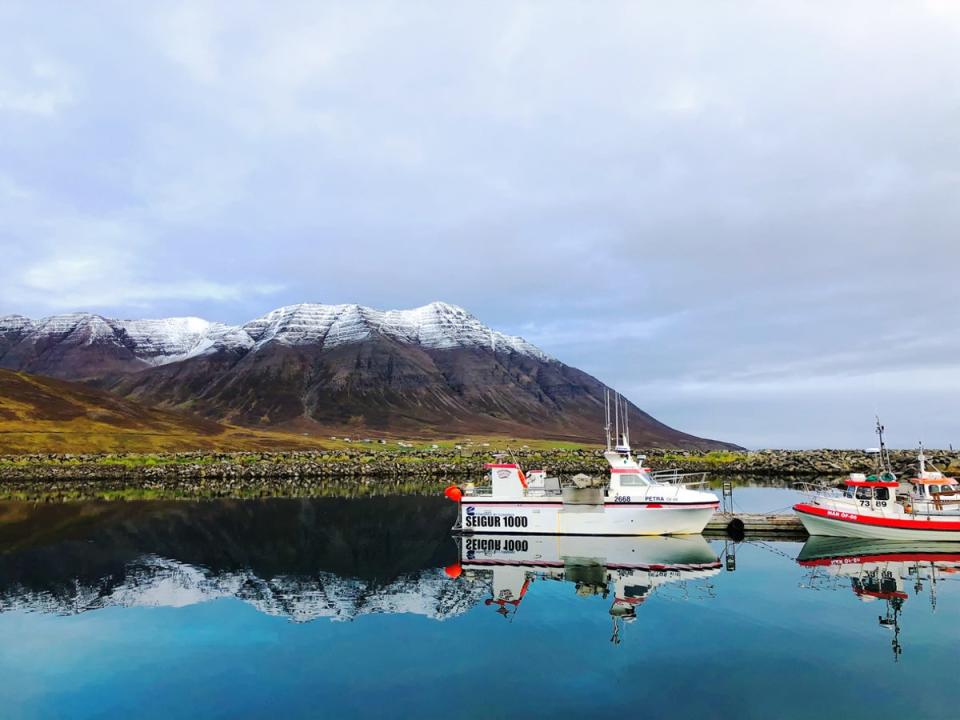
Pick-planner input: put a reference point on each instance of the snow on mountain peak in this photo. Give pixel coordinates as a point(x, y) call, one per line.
point(438, 325)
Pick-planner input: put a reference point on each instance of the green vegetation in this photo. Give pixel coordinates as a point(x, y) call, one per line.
point(713, 458)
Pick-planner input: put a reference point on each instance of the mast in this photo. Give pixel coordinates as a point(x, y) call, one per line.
point(626, 423)
point(616, 415)
point(923, 461)
point(606, 408)
point(884, 455)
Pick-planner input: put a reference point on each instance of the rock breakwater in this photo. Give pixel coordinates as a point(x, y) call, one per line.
point(303, 473)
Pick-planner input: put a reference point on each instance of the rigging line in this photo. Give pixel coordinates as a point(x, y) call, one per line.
point(770, 548)
point(774, 512)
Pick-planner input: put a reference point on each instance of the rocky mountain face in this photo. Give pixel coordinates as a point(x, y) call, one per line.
point(434, 370)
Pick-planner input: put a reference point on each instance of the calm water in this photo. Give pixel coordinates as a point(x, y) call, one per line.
point(347, 608)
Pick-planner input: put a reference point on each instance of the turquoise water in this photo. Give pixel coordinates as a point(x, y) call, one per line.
point(347, 608)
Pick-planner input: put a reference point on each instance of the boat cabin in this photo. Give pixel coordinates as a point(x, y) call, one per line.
point(626, 471)
point(934, 488)
point(507, 479)
point(871, 492)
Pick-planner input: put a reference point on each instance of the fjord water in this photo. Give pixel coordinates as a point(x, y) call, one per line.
point(343, 608)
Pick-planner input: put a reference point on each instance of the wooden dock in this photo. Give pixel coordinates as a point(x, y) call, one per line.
point(739, 525)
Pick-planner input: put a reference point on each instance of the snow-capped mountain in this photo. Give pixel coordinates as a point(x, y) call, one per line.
point(30, 345)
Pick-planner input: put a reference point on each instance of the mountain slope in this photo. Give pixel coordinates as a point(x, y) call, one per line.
point(39, 414)
point(431, 371)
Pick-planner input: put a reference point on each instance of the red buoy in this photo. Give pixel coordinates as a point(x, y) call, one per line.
point(453, 493)
point(453, 571)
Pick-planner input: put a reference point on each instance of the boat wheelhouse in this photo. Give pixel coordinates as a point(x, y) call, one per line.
point(932, 492)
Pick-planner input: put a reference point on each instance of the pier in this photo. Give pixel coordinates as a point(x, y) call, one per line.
point(738, 525)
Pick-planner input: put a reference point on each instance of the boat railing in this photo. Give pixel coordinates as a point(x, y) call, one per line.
point(815, 489)
point(544, 492)
point(487, 491)
point(675, 477)
point(945, 497)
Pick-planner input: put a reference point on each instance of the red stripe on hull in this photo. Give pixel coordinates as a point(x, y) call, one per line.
point(649, 505)
point(855, 519)
point(890, 557)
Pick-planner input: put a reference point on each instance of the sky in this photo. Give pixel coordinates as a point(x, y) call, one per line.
point(742, 215)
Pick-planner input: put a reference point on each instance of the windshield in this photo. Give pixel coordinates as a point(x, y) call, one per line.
point(632, 480)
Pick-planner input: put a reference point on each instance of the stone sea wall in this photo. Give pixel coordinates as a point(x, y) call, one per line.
point(381, 471)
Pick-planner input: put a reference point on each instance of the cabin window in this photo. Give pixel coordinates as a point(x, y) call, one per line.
point(882, 493)
point(849, 492)
point(934, 489)
point(631, 480)
point(864, 493)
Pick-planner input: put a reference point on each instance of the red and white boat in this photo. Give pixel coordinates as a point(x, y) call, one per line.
point(632, 502)
point(871, 508)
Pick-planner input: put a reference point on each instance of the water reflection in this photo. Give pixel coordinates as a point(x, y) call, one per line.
point(625, 570)
point(301, 559)
point(877, 571)
point(104, 613)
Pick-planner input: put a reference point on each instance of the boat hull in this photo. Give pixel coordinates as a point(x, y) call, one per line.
point(819, 521)
point(547, 518)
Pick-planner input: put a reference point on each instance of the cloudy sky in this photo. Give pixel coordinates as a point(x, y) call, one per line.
point(744, 215)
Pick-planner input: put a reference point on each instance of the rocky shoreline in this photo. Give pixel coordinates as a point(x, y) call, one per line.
point(255, 474)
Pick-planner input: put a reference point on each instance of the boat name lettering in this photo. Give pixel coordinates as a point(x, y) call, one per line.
point(492, 545)
point(496, 521)
point(842, 515)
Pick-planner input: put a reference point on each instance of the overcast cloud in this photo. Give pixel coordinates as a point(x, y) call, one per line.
point(744, 215)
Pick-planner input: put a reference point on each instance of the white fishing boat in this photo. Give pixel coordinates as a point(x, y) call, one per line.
point(629, 569)
point(633, 501)
point(870, 507)
point(932, 492)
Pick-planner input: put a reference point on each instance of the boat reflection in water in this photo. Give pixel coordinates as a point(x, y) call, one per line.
point(880, 570)
point(627, 569)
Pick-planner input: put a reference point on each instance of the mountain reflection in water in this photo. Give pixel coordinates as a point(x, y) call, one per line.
point(309, 559)
point(302, 559)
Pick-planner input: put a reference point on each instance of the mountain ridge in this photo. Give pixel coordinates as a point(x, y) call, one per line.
point(434, 370)
point(163, 341)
